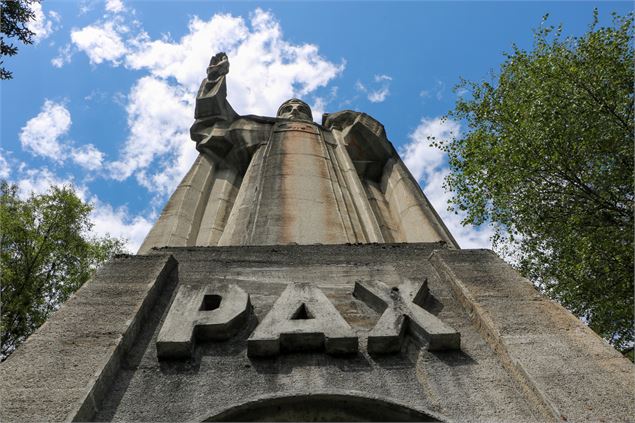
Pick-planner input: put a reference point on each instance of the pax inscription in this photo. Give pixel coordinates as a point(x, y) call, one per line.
point(301, 319)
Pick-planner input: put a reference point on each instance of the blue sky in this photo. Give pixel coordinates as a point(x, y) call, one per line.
point(105, 97)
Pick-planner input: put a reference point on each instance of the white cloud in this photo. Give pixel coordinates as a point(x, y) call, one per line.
point(461, 92)
point(437, 91)
point(40, 136)
point(41, 25)
point(171, 170)
point(419, 156)
point(440, 90)
point(5, 167)
point(317, 108)
point(40, 181)
point(265, 71)
point(429, 165)
point(85, 6)
point(379, 94)
point(88, 157)
point(118, 223)
point(101, 42)
point(64, 55)
point(114, 6)
point(97, 95)
point(159, 117)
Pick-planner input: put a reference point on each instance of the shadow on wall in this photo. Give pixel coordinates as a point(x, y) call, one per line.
point(345, 407)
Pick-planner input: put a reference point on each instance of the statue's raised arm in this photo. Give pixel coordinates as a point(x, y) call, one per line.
point(212, 106)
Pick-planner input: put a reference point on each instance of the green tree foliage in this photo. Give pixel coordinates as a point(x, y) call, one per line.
point(46, 254)
point(548, 159)
point(14, 18)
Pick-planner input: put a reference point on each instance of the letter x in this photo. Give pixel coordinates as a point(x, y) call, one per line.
point(401, 310)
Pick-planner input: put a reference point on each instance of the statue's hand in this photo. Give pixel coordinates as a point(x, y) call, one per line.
point(218, 66)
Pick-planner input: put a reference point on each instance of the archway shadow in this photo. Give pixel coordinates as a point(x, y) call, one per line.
point(322, 407)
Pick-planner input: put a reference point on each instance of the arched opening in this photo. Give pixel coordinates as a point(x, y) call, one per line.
point(321, 408)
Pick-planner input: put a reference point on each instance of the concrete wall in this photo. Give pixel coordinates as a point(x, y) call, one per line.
point(64, 370)
point(566, 370)
point(522, 357)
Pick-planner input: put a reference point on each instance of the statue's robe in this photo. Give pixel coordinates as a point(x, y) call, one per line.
point(273, 181)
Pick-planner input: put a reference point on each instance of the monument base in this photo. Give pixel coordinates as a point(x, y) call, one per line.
point(521, 357)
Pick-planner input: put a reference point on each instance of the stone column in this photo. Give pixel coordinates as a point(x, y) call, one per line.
point(416, 217)
point(180, 220)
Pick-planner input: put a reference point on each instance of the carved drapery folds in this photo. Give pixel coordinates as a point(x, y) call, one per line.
point(284, 180)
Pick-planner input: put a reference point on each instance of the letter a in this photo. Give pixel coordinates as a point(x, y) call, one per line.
point(302, 319)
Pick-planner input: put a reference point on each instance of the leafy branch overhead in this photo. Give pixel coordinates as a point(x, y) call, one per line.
point(46, 254)
point(548, 158)
point(14, 18)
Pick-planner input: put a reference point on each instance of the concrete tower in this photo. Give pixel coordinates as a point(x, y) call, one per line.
point(298, 273)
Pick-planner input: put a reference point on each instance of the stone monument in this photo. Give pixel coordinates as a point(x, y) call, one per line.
point(276, 181)
point(298, 273)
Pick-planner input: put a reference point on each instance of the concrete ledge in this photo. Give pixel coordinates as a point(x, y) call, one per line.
point(66, 367)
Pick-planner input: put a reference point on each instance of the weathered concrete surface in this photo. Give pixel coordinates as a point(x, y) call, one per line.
point(302, 319)
point(180, 220)
point(409, 207)
point(219, 206)
point(287, 180)
point(63, 371)
point(214, 311)
point(567, 370)
point(401, 310)
point(521, 358)
point(448, 385)
point(297, 197)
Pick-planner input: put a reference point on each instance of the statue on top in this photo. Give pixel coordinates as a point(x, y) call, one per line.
point(287, 180)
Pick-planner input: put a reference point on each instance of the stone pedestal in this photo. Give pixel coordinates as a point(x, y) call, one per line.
point(521, 357)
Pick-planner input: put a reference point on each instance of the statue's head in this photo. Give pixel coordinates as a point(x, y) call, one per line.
point(295, 109)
